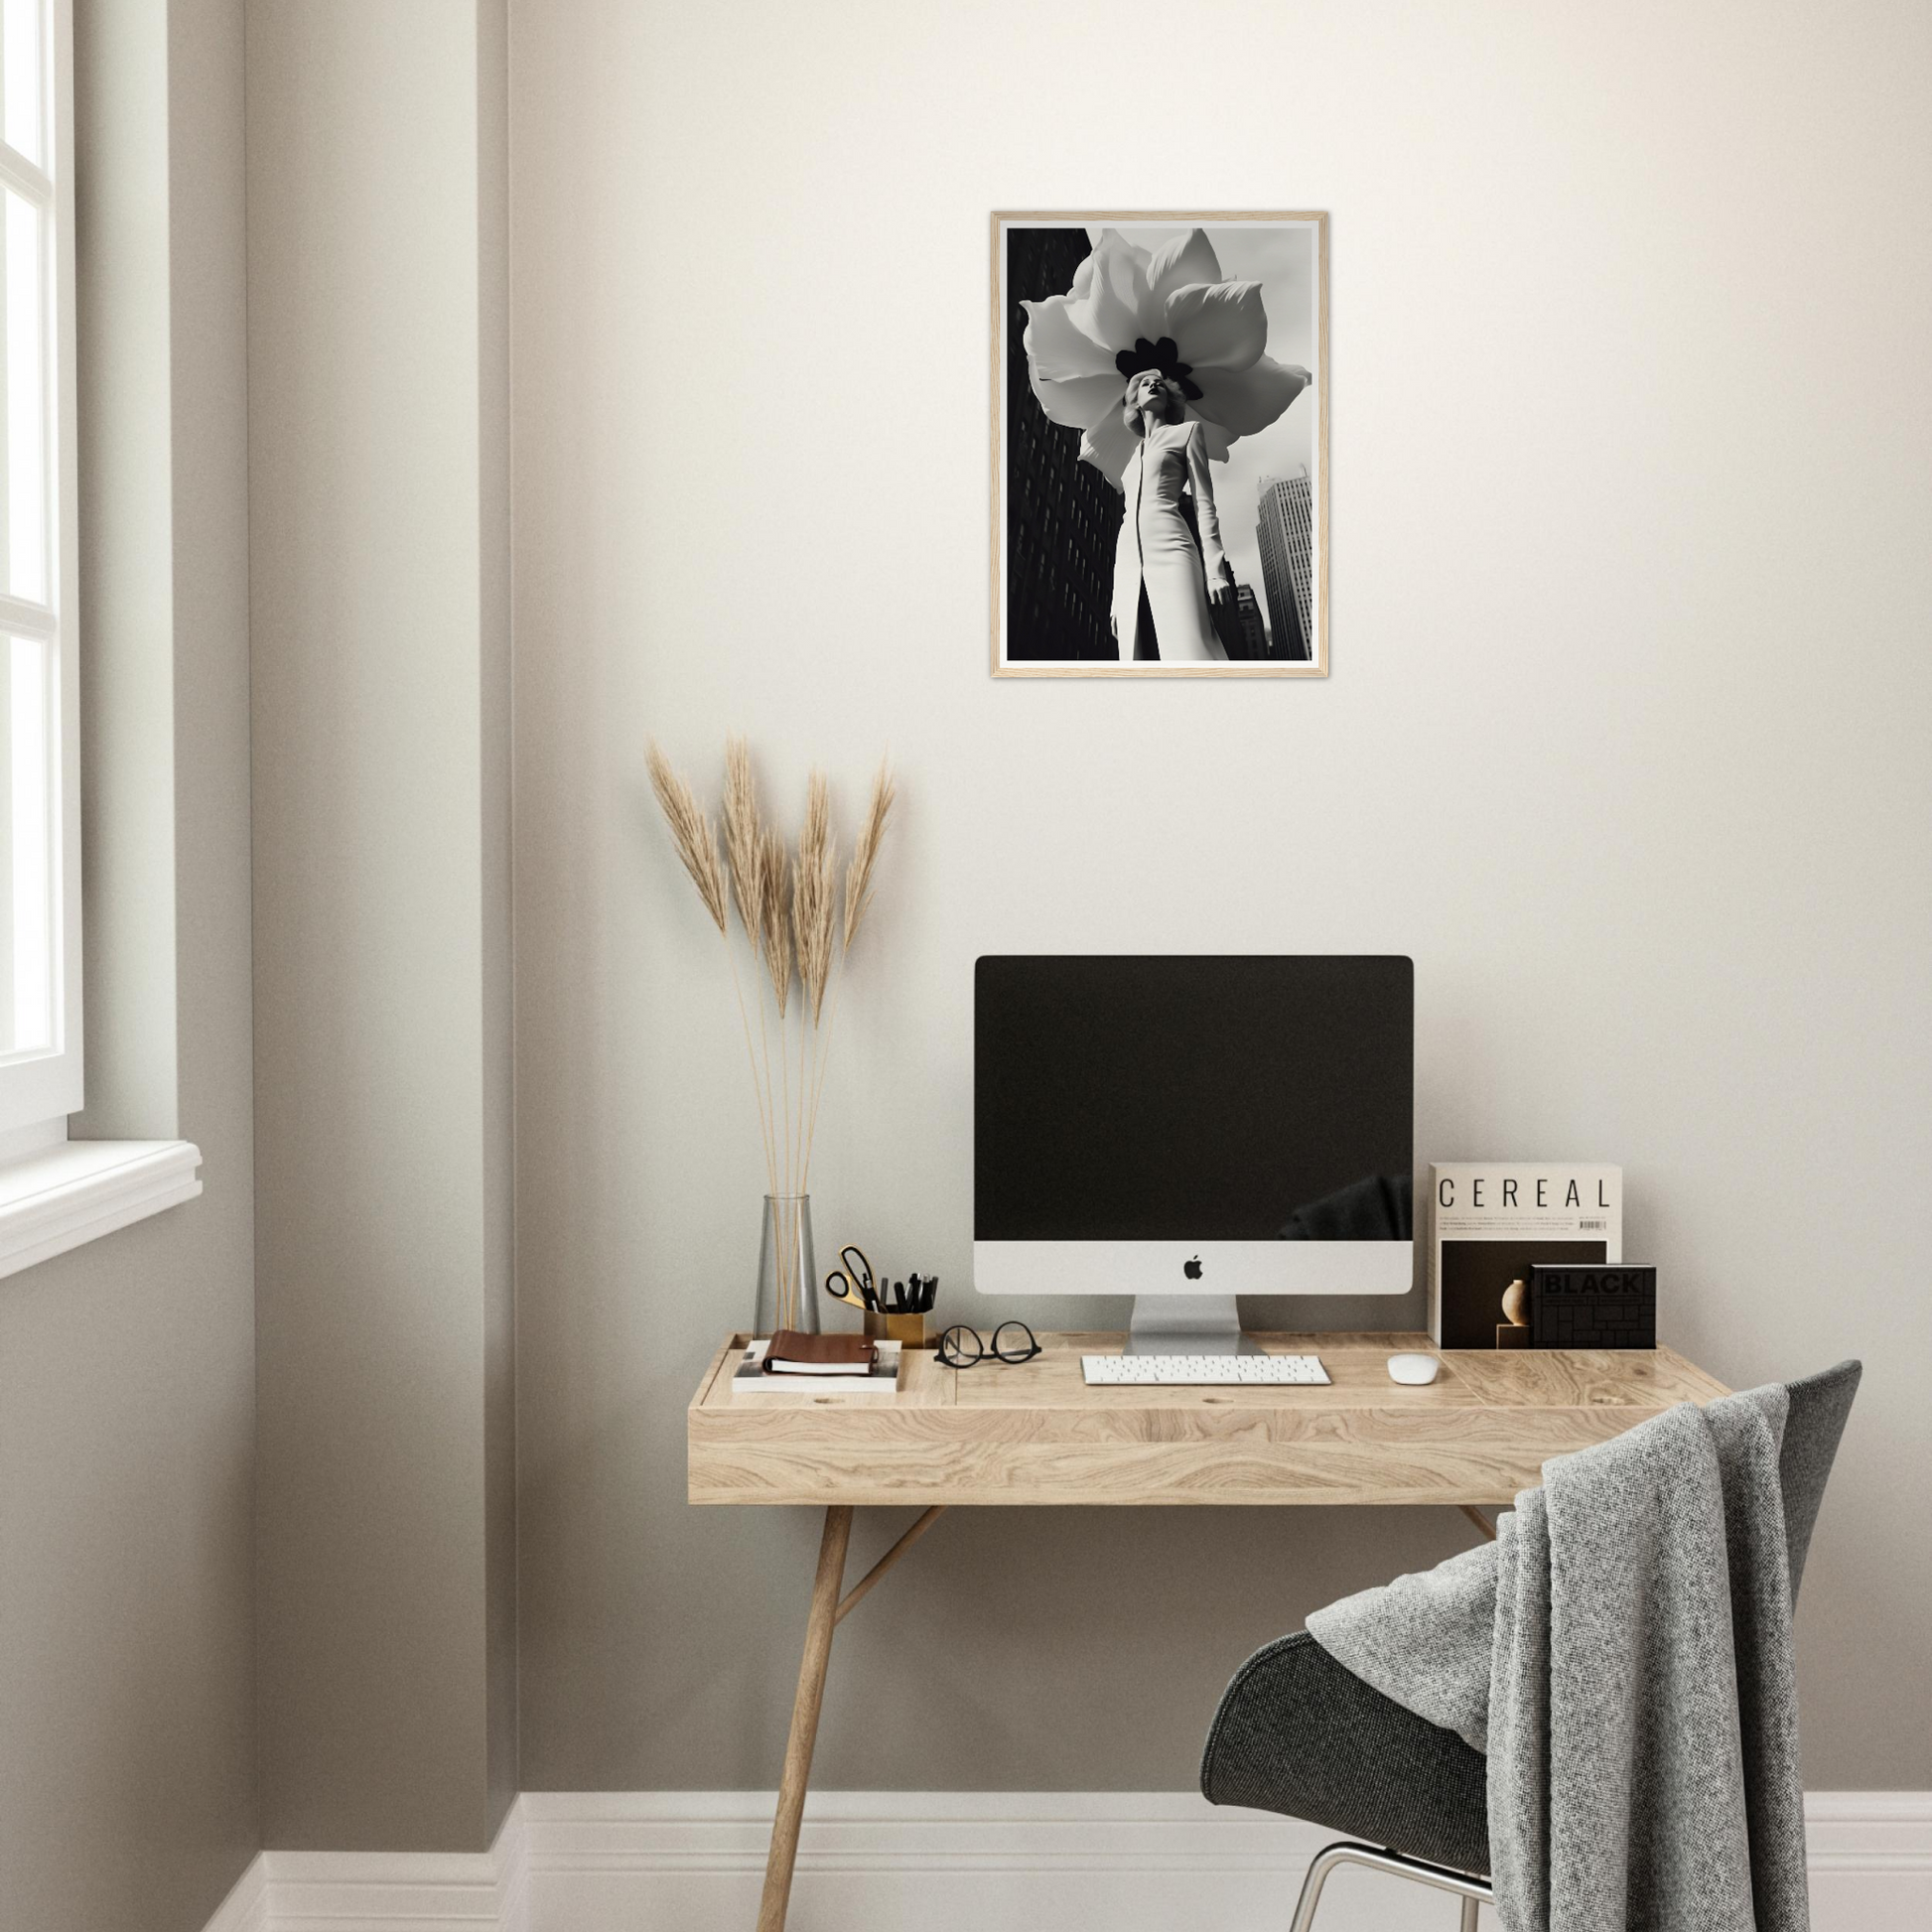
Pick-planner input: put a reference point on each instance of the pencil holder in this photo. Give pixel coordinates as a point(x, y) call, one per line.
point(907, 1328)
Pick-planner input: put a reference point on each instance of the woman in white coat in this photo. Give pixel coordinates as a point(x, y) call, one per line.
point(1163, 579)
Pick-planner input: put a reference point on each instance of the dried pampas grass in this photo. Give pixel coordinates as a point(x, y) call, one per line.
point(742, 847)
point(787, 909)
point(814, 896)
point(865, 852)
point(691, 832)
point(774, 918)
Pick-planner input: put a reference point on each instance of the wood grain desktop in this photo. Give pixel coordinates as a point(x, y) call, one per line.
point(1034, 1434)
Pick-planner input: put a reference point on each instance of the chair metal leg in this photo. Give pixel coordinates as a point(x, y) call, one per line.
point(1324, 1863)
point(1472, 1891)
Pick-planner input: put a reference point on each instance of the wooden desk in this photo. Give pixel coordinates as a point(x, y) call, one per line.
point(1032, 1434)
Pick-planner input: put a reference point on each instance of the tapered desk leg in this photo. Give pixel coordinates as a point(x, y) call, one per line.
point(804, 1719)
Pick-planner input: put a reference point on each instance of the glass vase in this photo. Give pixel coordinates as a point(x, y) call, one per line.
point(787, 1271)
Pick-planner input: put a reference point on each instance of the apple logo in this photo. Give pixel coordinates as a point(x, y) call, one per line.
point(1191, 1268)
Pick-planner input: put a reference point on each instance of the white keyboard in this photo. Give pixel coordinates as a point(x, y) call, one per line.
point(1202, 1371)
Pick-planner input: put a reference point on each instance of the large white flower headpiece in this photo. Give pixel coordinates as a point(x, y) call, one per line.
point(1169, 309)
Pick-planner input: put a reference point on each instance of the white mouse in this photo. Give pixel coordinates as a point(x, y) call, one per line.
point(1415, 1369)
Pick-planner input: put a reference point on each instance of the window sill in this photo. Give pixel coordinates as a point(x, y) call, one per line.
point(78, 1190)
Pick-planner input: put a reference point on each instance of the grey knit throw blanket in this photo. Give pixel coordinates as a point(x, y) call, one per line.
point(1622, 1652)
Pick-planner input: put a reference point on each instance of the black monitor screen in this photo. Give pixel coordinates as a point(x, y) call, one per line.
point(1244, 1098)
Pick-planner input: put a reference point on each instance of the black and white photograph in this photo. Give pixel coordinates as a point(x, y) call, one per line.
point(1159, 445)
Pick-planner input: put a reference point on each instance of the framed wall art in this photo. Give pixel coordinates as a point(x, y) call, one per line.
point(1159, 445)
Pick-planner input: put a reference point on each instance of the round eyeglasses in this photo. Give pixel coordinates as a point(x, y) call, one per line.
point(962, 1348)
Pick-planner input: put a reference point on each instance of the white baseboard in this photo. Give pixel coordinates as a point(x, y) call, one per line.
point(954, 1862)
point(246, 1909)
point(384, 1891)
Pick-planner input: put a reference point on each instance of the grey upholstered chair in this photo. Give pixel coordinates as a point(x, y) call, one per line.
point(1298, 1734)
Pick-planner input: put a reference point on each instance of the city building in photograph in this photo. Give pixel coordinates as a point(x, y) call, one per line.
point(1286, 531)
point(1254, 633)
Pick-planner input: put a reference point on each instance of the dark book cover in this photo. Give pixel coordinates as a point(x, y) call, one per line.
point(1477, 1274)
point(1613, 1306)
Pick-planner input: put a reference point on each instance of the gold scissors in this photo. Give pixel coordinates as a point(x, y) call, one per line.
point(852, 1282)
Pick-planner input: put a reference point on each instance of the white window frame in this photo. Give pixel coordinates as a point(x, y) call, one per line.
point(57, 1193)
point(39, 1089)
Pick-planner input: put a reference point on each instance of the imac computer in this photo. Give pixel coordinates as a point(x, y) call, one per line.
point(1185, 1129)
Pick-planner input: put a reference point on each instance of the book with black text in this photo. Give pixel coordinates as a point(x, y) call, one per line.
point(1490, 1221)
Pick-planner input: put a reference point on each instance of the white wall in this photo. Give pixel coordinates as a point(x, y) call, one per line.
point(1624, 742)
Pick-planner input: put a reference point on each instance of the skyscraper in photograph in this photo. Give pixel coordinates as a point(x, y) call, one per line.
point(1062, 515)
point(1254, 632)
point(1238, 624)
point(1286, 533)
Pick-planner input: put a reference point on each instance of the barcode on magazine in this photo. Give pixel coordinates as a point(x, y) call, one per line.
point(1599, 1225)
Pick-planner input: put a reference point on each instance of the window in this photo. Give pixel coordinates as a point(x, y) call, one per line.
point(55, 1193)
point(40, 846)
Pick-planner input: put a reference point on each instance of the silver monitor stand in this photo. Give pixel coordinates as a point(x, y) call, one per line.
point(1186, 1324)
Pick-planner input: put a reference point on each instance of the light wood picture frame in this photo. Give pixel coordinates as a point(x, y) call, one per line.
point(1221, 312)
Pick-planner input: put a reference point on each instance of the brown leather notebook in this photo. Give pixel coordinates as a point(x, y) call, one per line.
point(793, 1353)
